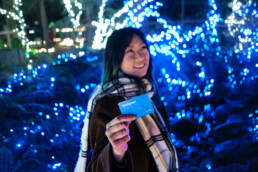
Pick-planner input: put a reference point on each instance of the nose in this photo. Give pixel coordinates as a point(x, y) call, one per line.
point(138, 56)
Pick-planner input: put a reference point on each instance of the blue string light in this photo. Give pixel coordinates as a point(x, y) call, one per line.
point(176, 46)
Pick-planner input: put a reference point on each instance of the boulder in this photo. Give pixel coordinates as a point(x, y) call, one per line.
point(230, 129)
point(232, 167)
point(253, 163)
point(184, 128)
point(6, 159)
point(222, 112)
point(238, 150)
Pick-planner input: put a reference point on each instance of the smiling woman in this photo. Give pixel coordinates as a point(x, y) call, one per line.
point(114, 142)
point(126, 50)
point(136, 58)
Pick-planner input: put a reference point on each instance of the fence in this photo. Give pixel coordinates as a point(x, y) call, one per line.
point(8, 36)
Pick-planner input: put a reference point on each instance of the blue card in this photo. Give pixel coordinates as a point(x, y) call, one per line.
point(139, 106)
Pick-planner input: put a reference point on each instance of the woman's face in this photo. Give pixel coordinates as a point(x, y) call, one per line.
point(136, 58)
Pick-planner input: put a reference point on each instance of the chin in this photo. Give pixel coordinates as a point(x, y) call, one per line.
point(141, 75)
point(137, 74)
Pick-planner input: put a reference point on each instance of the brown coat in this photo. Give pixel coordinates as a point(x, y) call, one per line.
point(138, 156)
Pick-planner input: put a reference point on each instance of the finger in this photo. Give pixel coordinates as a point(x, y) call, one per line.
point(120, 119)
point(120, 142)
point(118, 135)
point(115, 128)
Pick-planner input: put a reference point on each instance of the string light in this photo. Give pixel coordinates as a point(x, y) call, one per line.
point(104, 27)
point(176, 47)
point(167, 41)
point(243, 30)
point(254, 129)
point(17, 15)
point(241, 25)
point(70, 6)
point(28, 75)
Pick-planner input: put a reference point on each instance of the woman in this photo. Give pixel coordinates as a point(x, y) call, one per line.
point(122, 142)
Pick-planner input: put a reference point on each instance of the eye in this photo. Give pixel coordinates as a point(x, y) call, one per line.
point(129, 51)
point(144, 47)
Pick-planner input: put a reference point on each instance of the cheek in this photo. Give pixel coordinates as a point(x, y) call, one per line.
point(147, 59)
point(127, 64)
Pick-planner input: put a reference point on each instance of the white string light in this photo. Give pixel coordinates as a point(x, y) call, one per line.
point(17, 15)
point(104, 27)
point(75, 17)
point(240, 25)
point(173, 44)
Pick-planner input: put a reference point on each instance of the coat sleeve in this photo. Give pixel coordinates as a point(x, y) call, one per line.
point(101, 159)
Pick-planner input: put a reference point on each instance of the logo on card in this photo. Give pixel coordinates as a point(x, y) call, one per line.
point(128, 104)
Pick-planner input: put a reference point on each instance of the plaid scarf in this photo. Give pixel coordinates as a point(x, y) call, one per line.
point(151, 127)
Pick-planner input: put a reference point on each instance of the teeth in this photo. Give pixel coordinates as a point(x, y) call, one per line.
point(139, 66)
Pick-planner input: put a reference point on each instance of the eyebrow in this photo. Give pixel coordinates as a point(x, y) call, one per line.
point(129, 46)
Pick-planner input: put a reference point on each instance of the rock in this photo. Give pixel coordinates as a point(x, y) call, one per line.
point(29, 162)
point(184, 128)
point(190, 169)
point(66, 93)
point(35, 96)
point(235, 150)
point(253, 163)
point(193, 152)
point(226, 146)
point(5, 76)
point(193, 169)
point(230, 129)
point(248, 150)
point(4, 100)
point(222, 112)
point(219, 169)
point(236, 117)
point(226, 151)
point(235, 167)
point(36, 107)
point(6, 160)
point(206, 164)
point(204, 141)
point(10, 108)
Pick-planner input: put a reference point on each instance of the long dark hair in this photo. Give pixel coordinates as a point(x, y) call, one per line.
point(117, 42)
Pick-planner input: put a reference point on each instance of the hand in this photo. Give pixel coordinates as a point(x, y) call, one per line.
point(117, 132)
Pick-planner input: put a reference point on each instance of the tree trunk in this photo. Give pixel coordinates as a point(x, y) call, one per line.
point(44, 23)
point(183, 13)
point(90, 29)
point(9, 25)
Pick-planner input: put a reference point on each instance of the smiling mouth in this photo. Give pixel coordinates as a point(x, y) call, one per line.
point(140, 67)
